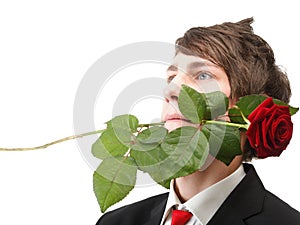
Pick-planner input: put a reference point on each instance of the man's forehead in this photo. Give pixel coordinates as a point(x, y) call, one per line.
point(189, 62)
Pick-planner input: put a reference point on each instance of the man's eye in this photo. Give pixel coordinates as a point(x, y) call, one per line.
point(170, 78)
point(204, 76)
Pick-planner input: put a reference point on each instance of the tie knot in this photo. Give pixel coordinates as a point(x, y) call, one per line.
point(180, 217)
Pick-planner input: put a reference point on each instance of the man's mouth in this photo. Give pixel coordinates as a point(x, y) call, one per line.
point(174, 117)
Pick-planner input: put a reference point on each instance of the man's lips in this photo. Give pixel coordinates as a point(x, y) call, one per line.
point(175, 117)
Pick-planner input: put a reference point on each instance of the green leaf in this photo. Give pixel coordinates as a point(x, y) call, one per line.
point(146, 159)
point(216, 104)
point(124, 126)
point(108, 145)
point(113, 180)
point(246, 104)
point(153, 134)
point(149, 138)
point(224, 141)
point(293, 110)
point(191, 104)
point(182, 152)
point(126, 122)
point(152, 162)
point(187, 149)
point(148, 154)
point(196, 106)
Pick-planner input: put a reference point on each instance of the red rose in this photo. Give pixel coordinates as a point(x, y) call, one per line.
point(270, 130)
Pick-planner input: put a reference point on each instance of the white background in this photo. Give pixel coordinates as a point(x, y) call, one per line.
point(45, 49)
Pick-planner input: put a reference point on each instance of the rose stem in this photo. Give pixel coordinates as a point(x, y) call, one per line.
point(54, 142)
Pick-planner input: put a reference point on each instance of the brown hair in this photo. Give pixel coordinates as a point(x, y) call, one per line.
point(247, 59)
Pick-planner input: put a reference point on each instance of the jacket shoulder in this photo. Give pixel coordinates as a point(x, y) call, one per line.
point(129, 214)
point(275, 211)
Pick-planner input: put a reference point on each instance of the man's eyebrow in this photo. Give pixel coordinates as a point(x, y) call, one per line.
point(195, 65)
point(172, 68)
point(192, 66)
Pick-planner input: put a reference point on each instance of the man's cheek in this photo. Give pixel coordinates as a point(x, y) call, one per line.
point(164, 108)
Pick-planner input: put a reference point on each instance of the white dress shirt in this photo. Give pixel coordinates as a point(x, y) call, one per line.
point(206, 203)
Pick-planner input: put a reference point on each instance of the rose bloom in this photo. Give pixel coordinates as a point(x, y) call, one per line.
point(270, 130)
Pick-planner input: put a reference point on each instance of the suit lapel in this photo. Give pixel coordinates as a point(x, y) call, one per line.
point(157, 211)
point(245, 200)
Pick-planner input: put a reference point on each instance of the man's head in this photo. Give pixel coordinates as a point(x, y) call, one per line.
point(247, 59)
point(238, 62)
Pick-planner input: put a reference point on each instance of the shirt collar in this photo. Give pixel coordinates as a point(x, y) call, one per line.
point(205, 204)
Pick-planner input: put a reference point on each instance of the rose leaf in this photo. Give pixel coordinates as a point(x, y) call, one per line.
point(108, 144)
point(191, 104)
point(216, 104)
point(187, 150)
point(224, 141)
point(293, 110)
point(113, 180)
point(153, 134)
point(245, 105)
point(126, 122)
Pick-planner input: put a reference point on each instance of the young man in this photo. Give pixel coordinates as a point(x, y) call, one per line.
point(230, 58)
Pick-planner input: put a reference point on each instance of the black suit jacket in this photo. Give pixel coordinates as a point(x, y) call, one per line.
point(248, 204)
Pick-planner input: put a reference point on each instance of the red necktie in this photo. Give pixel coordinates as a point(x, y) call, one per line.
point(180, 217)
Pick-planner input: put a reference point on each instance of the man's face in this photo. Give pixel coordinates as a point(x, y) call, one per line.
point(198, 73)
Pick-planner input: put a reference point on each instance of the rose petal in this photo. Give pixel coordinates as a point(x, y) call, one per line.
point(270, 129)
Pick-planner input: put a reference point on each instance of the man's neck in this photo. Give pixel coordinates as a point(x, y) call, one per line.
point(188, 186)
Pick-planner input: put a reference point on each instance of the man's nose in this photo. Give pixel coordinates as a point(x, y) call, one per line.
point(172, 90)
